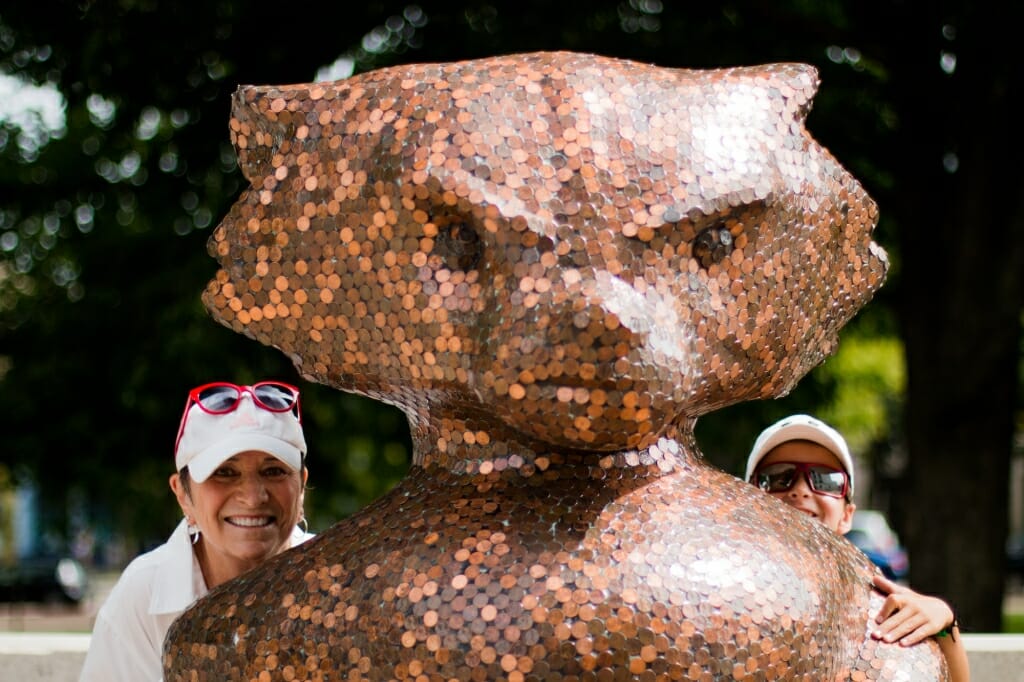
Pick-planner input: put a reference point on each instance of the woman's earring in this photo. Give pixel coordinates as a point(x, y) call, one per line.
point(304, 524)
point(193, 530)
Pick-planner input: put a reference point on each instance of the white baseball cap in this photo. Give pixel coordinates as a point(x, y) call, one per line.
point(801, 427)
point(207, 440)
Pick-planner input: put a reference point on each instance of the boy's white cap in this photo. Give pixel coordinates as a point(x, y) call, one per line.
point(801, 427)
point(210, 439)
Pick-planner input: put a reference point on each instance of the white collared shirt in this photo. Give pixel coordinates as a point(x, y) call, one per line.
point(155, 588)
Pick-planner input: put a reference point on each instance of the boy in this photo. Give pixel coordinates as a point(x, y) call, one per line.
point(807, 464)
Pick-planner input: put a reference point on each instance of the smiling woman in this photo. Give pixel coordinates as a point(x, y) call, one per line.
point(240, 481)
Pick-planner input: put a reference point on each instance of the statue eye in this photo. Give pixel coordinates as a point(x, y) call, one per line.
point(712, 245)
point(456, 246)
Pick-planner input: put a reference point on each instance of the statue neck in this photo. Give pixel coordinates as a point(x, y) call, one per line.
point(463, 447)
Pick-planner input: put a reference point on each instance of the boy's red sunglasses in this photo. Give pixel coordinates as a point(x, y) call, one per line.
point(779, 477)
point(222, 397)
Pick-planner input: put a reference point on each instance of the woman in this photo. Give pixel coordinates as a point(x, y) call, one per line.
point(240, 483)
point(807, 464)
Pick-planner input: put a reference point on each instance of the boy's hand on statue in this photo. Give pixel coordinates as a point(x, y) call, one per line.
point(908, 617)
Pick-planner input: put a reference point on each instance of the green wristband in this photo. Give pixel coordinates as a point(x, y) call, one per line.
point(948, 631)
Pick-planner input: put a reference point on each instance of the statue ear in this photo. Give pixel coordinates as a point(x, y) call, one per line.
point(802, 85)
point(793, 83)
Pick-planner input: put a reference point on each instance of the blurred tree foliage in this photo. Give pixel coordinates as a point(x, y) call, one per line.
point(106, 206)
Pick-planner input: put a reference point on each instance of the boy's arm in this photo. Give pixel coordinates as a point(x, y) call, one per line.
point(908, 617)
point(956, 656)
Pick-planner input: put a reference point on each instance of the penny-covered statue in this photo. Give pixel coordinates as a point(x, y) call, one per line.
point(553, 264)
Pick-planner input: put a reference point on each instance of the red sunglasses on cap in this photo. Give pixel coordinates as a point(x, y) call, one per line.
point(222, 397)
